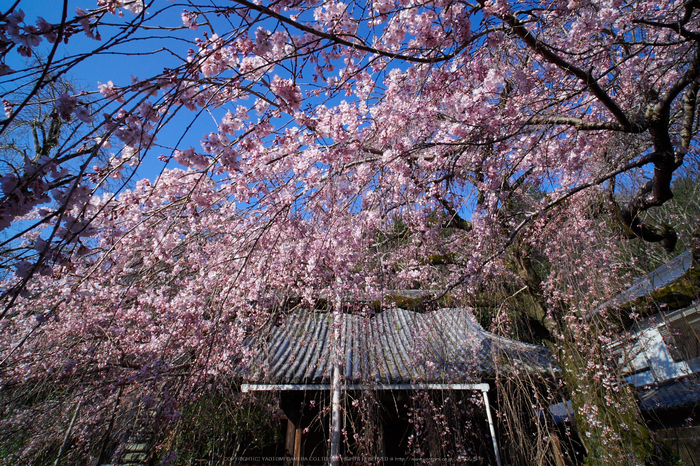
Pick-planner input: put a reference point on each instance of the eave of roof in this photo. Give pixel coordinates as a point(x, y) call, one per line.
point(657, 283)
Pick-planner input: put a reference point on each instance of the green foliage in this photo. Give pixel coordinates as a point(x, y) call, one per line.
point(675, 460)
point(10, 447)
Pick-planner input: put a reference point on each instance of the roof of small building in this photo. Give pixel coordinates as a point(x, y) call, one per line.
point(682, 392)
point(393, 347)
point(661, 277)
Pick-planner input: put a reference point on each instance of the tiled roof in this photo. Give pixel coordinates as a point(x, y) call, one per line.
point(684, 392)
point(662, 276)
point(395, 346)
point(679, 393)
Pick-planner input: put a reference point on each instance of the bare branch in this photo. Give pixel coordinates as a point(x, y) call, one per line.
point(339, 40)
point(40, 80)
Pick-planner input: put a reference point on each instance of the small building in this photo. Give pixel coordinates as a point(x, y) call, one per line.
point(382, 370)
point(659, 352)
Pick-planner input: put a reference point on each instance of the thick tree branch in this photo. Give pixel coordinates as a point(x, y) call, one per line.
point(658, 190)
point(455, 221)
point(585, 125)
point(661, 109)
point(545, 52)
point(533, 215)
point(677, 27)
point(689, 105)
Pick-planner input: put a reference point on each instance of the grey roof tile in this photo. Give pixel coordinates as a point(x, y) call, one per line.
point(396, 346)
point(683, 392)
point(644, 286)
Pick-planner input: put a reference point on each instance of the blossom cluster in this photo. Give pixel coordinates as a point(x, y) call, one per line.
point(355, 149)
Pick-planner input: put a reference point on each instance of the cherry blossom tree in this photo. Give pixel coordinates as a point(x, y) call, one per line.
point(354, 148)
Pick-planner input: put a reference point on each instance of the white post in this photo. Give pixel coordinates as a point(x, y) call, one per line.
point(335, 426)
point(491, 428)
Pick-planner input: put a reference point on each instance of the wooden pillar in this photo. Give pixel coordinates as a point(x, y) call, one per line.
point(297, 447)
point(289, 443)
point(292, 445)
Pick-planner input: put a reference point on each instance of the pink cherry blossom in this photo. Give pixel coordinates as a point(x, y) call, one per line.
point(304, 153)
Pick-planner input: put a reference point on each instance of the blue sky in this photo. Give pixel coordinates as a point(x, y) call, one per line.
point(115, 65)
